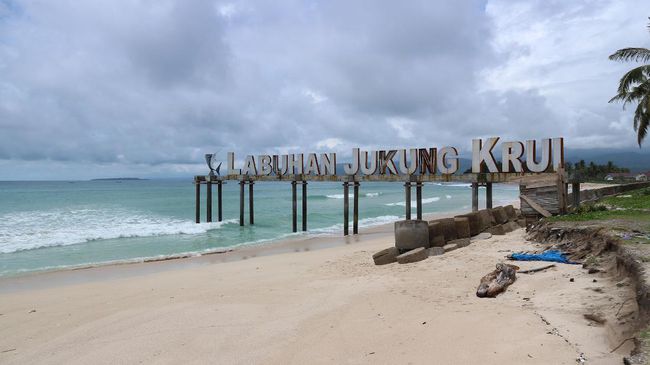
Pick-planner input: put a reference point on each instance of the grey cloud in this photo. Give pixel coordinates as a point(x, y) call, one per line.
point(155, 84)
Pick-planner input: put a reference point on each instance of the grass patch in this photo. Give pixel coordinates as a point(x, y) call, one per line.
point(635, 199)
point(632, 205)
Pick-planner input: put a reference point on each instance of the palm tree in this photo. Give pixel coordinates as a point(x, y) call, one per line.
point(635, 87)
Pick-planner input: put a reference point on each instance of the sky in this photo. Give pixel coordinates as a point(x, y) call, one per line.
point(106, 88)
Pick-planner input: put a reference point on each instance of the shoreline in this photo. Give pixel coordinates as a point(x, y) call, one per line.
point(292, 243)
point(129, 268)
point(316, 306)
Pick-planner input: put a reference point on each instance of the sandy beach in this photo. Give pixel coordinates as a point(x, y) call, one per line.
point(331, 305)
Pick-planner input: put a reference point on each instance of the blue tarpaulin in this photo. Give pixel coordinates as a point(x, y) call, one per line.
point(550, 255)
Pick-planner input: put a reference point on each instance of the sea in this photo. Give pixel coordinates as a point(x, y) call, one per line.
point(51, 225)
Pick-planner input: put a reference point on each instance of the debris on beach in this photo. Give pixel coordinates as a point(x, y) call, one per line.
point(548, 255)
point(497, 281)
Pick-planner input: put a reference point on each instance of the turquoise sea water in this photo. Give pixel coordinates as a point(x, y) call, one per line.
point(49, 225)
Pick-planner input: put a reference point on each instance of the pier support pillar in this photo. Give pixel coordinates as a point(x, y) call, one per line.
point(219, 204)
point(197, 184)
point(575, 189)
point(474, 197)
point(304, 206)
point(346, 208)
point(418, 197)
point(488, 195)
point(251, 211)
point(294, 207)
point(241, 203)
point(208, 203)
point(355, 209)
point(407, 199)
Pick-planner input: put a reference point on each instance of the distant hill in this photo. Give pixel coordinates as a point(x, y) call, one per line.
point(635, 161)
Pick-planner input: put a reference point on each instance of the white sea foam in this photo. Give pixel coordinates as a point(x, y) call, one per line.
point(414, 202)
point(340, 196)
point(29, 230)
point(448, 196)
point(366, 222)
point(335, 196)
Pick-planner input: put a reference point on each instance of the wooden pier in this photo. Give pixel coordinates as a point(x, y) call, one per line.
point(477, 181)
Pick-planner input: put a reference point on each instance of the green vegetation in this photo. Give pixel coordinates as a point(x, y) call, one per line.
point(634, 87)
point(634, 205)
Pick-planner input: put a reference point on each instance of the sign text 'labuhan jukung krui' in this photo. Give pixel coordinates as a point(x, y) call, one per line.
point(515, 157)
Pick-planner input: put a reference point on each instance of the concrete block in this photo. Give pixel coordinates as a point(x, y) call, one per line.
point(485, 219)
point(411, 234)
point(482, 236)
point(415, 255)
point(500, 215)
point(437, 241)
point(513, 225)
point(460, 242)
point(435, 230)
point(386, 256)
point(448, 226)
point(436, 251)
point(462, 227)
point(521, 222)
point(510, 211)
point(497, 230)
point(474, 223)
point(449, 247)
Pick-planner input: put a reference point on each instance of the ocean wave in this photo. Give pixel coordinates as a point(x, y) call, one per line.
point(340, 196)
point(448, 196)
point(414, 202)
point(363, 223)
point(24, 231)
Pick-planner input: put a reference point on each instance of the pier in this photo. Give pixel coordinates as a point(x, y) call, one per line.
point(477, 181)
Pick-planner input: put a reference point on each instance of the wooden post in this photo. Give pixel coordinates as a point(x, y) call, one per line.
point(418, 198)
point(219, 205)
point(241, 203)
point(197, 183)
point(294, 205)
point(474, 197)
point(346, 208)
point(407, 199)
point(251, 212)
point(304, 205)
point(575, 189)
point(208, 206)
point(488, 195)
point(355, 209)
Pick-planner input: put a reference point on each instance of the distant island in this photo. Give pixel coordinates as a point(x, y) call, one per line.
point(118, 179)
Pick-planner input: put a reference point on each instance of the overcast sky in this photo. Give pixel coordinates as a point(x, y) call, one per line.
point(144, 88)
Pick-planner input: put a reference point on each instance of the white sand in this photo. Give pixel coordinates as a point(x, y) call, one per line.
point(316, 307)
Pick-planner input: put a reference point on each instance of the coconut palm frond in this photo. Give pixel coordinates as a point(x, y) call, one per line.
point(642, 119)
point(635, 76)
point(631, 54)
point(637, 93)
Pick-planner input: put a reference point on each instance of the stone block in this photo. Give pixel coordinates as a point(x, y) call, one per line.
point(482, 236)
point(485, 219)
point(474, 223)
point(386, 256)
point(497, 230)
point(521, 222)
point(462, 227)
point(510, 211)
point(449, 247)
point(448, 227)
point(460, 242)
point(435, 230)
point(500, 215)
point(411, 234)
point(437, 241)
point(415, 255)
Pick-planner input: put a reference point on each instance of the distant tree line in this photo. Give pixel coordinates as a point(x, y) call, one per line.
point(592, 170)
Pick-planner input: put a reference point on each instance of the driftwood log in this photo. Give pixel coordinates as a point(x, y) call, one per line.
point(497, 281)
